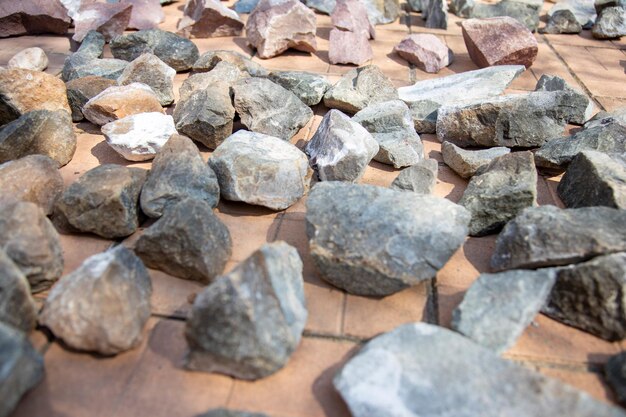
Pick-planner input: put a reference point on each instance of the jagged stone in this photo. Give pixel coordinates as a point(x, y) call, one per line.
point(245, 6)
point(466, 162)
point(17, 306)
point(209, 60)
point(148, 69)
point(224, 72)
point(34, 59)
point(109, 19)
point(420, 178)
point(462, 8)
point(349, 47)
point(33, 17)
point(426, 51)
point(524, 11)
point(81, 90)
point(583, 10)
point(600, 5)
point(146, 14)
point(424, 115)
point(351, 16)
point(610, 24)
point(562, 21)
point(209, 19)
point(86, 62)
point(582, 106)
point(603, 118)
point(435, 12)
point(118, 102)
point(615, 371)
point(382, 12)
point(309, 88)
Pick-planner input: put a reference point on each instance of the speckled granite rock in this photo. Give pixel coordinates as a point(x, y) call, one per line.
point(310, 88)
point(466, 162)
point(420, 178)
point(148, 69)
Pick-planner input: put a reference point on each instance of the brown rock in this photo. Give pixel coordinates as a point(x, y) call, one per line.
point(351, 16)
point(21, 17)
point(426, 51)
point(349, 47)
point(118, 102)
point(209, 19)
point(110, 19)
point(81, 90)
point(146, 14)
point(499, 41)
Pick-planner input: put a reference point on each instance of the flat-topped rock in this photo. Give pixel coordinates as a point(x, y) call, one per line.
point(109, 19)
point(34, 59)
point(121, 101)
point(467, 162)
point(17, 306)
point(426, 51)
point(209, 19)
point(148, 69)
point(209, 60)
point(420, 178)
point(81, 90)
point(349, 47)
point(33, 17)
point(310, 88)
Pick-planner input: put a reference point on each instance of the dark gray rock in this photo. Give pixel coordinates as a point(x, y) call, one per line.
point(252, 334)
point(178, 172)
point(610, 24)
point(467, 162)
point(498, 307)
point(103, 305)
point(600, 5)
point(603, 118)
point(421, 370)
point(208, 60)
point(151, 71)
point(189, 241)
point(375, 241)
point(526, 11)
point(583, 10)
point(223, 412)
point(17, 306)
point(500, 191)
point(310, 88)
point(81, 90)
point(435, 12)
point(562, 21)
point(266, 107)
point(424, 115)
point(224, 72)
point(245, 6)
point(549, 236)
point(581, 106)
point(462, 8)
point(176, 51)
point(414, 5)
point(104, 201)
point(615, 371)
point(420, 178)
point(86, 62)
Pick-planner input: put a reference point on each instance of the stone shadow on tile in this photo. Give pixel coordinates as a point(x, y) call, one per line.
point(323, 387)
point(106, 155)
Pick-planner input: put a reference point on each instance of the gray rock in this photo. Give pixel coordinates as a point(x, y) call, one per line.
point(467, 162)
point(581, 106)
point(260, 169)
point(600, 5)
point(341, 148)
point(223, 412)
point(22, 368)
point(435, 12)
point(420, 178)
point(359, 88)
point(382, 12)
point(189, 241)
point(562, 21)
point(151, 71)
point(252, 334)
point(176, 51)
point(104, 201)
point(224, 72)
point(178, 172)
point(462, 8)
point(500, 191)
point(526, 11)
point(375, 241)
point(322, 6)
point(103, 305)
point(498, 307)
point(86, 62)
point(210, 59)
point(615, 372)
point(583, 10)
point(391, 126)
point(414, 5)
point(17, 306)
point(32, 243)
point(424, 115)
point(421, 370)
point(611, 23)
point(594, 179)
point(245, 6)
point(266, 107)
point(81, 90)
point(604, 118)
point(591, 296)
point(549, 236)
point(310, 88)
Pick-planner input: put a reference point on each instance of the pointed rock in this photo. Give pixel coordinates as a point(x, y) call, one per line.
point(81, 90)
point(582, 106)
point(117, 102)
point(210, 59)
point(309, 88)
point(33, 17)
point(17, 306)
point(435, 12)
point(148, 69)
point(426, 51)
point(146, 14)
point(611, 23)
point(209, 19)
point(420, 178)
point(351, 16)
point(110, 19)
point(86, 61)
point(34, 59)
point(562, 21)
point(349, 47)
point(467, 162)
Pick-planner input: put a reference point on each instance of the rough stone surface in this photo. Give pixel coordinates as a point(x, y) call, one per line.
point(611, 23)
point(209, 60)
point(351, 16)
point(435, 12)
point(424, 115)
point(33, 178)
point(109, 19)
point(583, 10)
point(224, 72)
point(421, 370)
point(603, 118)
point(148, 69)
point(188, 241)
point(277, 25)
point(359, 88)
point(86, 61)
point(249, 322)
point(615, 371)
point(146, 14)
point(120, 101)
point(581, 106)
point(462, 8)
point(499, 41)
point(600, 5)
point(420, 178)
point(81, 90)
point(466, 162)
point(525, 11)
point(32, 243)
point(382, 12)
point(34, 59)
point(549, 236)
point(104, 201)
point(17, 306)
point(309, 88)
point(209, 19)
point(261, 170)
point(266, 107)
point(391, 126)
point(562, 21)
point(375, 241)
point(341, 148)
point(33, 17)
point(349, 47)
point(176, 51)
point(103, 305)
point(426, 51)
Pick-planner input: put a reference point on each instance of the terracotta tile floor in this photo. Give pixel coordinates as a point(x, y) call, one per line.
point(149, 380)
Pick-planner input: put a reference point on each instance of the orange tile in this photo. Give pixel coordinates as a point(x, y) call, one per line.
point(77, 248)
point(468, 262)
point(249, 232)
point(171, 296)
point(448, 298)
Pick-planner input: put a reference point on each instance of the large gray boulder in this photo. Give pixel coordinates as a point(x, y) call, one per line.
point(466, 162)
point(17, 306)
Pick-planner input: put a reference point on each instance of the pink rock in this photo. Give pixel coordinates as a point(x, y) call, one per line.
point(351, 16)
point(499, 41)
point(146, 14)
point(20, 17)
point(426, 51)
point(209, 19)
point(349, 47)
point(110, 19)
point(277, 25)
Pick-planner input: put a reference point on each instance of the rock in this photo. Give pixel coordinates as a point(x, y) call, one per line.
point(419, 369)
point(148, 69)
point(42, 132)
point(81, 90)
point(276, 25)
point(224, 72)
point(178, 172)
point(209, 19)
point(22, 91)
point(615, 372)
point(424, 115)
point(604, 118)
point(499, 41)
point(524, 11)
point(349, 47)
point(600, 5)
point(309, 88)
point(34, 59)
point(497, 308)
point(500, 191)
point(562, 21)
point(139, 137)
point(341, 148)
point(146, 14)
point(22, 367)
point(583, 10)
point(359, 88)
point(467, 162)
point(209, 60)
point(33, 17)
point(610, 24)
point(549, 236)
point(109, 19)
point(582, 106)
point(420, 178)
point(104, 201)
point(436, 14)
point(462, 8)
point(189, 241)
point(32, 243)
point(260, 169)
point(176, 51)
point(425, 51)
point(414, 5)
point(223, 412)
point(391, 126)
point(17, 306)
point(33, 178)
point(351, 16)
point(245, 6)
point(375, 241)
point(382, 12)
point(86, 62)
point(103, 305)
point(590, 297)
point(254, 333)
point(266, 107)
point(118, 102)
